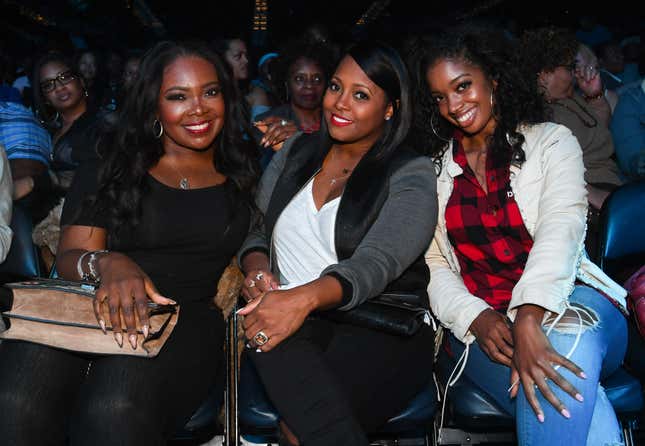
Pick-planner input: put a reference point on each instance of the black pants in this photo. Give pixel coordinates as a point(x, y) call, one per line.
point(51, 397)
point(333, 383)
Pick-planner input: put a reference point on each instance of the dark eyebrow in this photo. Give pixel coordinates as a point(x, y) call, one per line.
point(182, 88)
point(354, 84)
point(459, 77)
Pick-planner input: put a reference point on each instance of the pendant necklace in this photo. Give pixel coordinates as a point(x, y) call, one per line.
point(335, 179)
point(183, 180)
point(345, 172)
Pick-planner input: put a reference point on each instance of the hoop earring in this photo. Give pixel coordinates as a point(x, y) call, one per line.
point(157, 133)
point(432, 119)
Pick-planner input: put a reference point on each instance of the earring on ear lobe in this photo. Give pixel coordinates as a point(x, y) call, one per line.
point(157, 133)
point(387, 118)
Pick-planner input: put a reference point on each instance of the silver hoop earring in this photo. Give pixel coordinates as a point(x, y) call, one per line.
point(432, 119)
point(491, 99)
point(157, 133)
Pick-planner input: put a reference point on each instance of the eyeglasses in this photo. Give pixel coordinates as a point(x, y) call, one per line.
point(63, 78)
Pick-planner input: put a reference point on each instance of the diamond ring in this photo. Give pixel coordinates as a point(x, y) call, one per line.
point(260, 338)
point(259, 276)
point(283, 122)
point(251, 283)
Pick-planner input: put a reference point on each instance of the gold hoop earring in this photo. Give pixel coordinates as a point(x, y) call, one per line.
point(157, 133)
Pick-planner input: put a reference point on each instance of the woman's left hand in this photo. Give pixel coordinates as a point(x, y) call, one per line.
point(533, 362)
point(273, 317)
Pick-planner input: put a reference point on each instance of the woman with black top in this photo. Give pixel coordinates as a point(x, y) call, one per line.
point(334, 205)
point(168, 208)
point(61, 103)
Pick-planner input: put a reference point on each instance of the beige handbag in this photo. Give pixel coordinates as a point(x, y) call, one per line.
point(60, 314)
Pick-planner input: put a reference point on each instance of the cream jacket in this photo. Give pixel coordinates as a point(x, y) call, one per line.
point(549, 189)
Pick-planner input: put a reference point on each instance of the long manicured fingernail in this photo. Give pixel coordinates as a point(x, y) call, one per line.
point(102, 324)
point(133, 341)
point(240, 310)
point(540, 417)
point(583, 375)
point(119, 339)
point(579, 397)
point(145, 331)
point(565, 413)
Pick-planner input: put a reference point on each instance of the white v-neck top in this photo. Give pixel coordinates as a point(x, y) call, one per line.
point(304, 238)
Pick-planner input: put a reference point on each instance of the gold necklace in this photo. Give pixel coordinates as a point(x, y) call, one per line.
point(588, 124)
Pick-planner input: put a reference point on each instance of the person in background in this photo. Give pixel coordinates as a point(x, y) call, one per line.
point(628, 131)
point(8, 93)
point(130, 69)
point(264, 91)
point(612, 64)
point(509, 277)
point(236, 54)
point(588, 84)
point(170, 199)
point(90, 68)
point(332, 204)
point(28, 148)
point(304, 73)
point(549, 60)
point(61, 103)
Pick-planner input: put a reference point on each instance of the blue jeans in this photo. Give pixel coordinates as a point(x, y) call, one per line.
point(599, 353)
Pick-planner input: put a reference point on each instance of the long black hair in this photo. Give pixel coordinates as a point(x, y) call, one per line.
point(516, 100)
point(132, 148)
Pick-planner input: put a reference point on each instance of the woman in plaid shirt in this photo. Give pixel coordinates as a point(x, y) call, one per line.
point(507, 264)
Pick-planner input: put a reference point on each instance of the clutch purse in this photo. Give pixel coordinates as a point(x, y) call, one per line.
point(60, 314)
point(397, 314)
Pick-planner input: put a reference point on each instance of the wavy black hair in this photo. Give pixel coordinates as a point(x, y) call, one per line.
point(516, 98)
point(131, 148)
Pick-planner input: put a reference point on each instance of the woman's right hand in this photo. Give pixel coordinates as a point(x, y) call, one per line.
point(258, 282)
point(494, 336)
point(276, 130)
point(126, 289)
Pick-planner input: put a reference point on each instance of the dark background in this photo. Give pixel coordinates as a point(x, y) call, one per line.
point(123, 24)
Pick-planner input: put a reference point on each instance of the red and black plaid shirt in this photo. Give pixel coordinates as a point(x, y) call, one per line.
point(487, 231)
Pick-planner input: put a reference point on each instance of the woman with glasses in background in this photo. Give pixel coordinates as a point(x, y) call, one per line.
point(61, 104)
point(549, 57)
